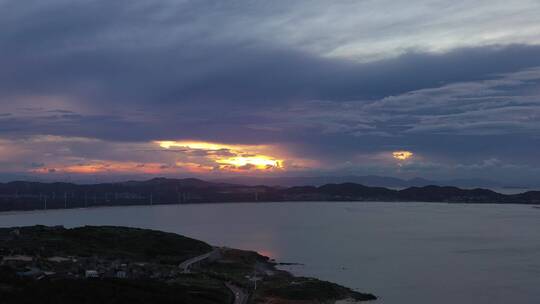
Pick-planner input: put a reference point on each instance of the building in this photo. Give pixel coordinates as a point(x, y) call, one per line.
point(121, 274)
point(89, 274)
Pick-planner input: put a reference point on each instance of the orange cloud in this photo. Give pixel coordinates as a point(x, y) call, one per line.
point(106, 167)
point(171, 157)
point(227, 157)
point(402, 155)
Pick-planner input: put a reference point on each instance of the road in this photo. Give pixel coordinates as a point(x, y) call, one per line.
point(187, 263)
point(240, 297)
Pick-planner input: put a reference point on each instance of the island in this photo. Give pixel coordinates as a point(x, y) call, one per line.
point(25, 195)
point(107, 264)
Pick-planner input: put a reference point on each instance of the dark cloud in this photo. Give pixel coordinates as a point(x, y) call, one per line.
point(223, 98)
point(129, 54)
point(134, 72)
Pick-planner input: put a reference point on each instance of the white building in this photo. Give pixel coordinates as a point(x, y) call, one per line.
point(91, 274)
point(121, 274)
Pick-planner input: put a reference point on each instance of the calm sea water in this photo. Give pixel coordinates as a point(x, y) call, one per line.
point(402, 252)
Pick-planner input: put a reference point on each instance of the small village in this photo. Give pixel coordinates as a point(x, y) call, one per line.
point(113, 257)
point(38, 266)
point(86, 267)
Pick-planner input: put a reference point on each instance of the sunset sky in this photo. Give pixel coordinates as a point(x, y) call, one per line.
point(132, 89)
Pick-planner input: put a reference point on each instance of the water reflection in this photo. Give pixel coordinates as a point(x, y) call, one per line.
point(404, 253)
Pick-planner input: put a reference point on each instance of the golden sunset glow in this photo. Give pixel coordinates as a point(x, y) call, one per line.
point(185, 157)
point(168, 144)
point(259, 162)
point(402, 155)
point(105, 167)
point(226, 157)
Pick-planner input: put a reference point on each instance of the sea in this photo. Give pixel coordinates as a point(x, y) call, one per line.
point(405, 253)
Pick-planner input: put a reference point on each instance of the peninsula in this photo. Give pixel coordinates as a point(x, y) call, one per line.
point(108, 264)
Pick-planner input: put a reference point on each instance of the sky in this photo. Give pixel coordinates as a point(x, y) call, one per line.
point(105, 90)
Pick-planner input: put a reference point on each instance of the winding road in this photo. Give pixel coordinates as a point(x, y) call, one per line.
point(185, 265)
point(240, 297)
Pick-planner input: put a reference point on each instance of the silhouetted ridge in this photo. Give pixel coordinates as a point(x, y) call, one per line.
point(351, 189)
point(448, 194)
point(21, 195)
point(533, 197)
point(185, 182)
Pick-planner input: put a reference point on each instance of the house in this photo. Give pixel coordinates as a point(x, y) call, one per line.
point(18, 258)
point(58, 259)
point(89, 274)
point(121, 274)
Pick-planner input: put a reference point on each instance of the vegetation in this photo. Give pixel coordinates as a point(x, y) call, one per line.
point(237, 266)
point(15, 290)
point(105, 241)
point(307, 289)
point(118, 265)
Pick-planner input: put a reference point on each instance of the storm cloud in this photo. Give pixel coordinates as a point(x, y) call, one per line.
point(336, 84)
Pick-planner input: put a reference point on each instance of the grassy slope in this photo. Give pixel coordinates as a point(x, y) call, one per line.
point(106, 241)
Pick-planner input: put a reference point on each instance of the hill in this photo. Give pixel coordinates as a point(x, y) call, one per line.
point(117, 265)
point(21, 195)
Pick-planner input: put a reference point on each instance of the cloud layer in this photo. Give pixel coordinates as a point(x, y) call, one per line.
point(334, 86)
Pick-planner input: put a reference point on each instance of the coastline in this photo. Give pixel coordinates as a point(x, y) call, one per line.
point(44, 257)
point(135, 205)
point(21, 195)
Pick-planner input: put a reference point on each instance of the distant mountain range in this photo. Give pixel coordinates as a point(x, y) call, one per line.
point(22, 195)
point(367, 180)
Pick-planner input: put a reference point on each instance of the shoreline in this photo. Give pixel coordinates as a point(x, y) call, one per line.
point(45, 257)
point(30, 211)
